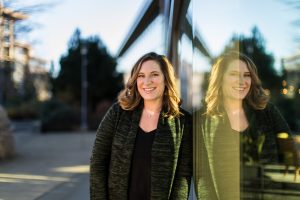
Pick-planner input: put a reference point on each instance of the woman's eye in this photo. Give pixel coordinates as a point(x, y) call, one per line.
point(234, 74)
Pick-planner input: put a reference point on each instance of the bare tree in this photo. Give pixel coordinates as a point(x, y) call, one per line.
point(29, 8)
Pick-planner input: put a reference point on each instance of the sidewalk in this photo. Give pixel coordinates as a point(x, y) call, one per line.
point(56, 167)
point(48, 166)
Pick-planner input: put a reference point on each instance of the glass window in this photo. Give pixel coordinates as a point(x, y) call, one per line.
point(152, 39)
point(240, 151)
point(6, 25)
point(6, 51)
point(6, 39)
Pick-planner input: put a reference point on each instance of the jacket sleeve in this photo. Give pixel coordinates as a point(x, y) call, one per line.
point(182, 181)
point(100, 159)
point(278, 122)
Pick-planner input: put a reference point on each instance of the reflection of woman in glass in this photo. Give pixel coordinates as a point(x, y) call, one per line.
point(143, 147)
point(237, 126)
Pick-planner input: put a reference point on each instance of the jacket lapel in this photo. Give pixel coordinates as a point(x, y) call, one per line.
point(123, 145)
point(163, 158)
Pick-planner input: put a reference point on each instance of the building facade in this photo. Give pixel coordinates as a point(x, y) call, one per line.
point(17, 64)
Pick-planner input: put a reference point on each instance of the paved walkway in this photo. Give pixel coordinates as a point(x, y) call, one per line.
point(56, 167)
point(48, 166)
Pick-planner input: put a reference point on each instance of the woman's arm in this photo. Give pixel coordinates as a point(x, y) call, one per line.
point(100, 159)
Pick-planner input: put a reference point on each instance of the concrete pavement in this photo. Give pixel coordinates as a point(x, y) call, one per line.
point(56, 167)
point(48, 166)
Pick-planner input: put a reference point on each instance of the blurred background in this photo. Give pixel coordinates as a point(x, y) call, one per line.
point(62, 64)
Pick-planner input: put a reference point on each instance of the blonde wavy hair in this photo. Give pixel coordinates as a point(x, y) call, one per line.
point(257, 97)
point(129, 98)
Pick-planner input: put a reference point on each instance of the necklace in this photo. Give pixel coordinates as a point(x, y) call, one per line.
point(150, 114)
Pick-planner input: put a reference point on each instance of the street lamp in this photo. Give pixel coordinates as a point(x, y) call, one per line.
point(84, 85)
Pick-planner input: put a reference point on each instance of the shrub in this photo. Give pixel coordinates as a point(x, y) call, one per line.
point(57, 116)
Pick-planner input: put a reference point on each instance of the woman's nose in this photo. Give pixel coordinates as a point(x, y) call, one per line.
point(241, 79)
point(148, 80)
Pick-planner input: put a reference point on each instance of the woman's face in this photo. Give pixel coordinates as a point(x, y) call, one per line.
point(236, 81)
point(151, 81)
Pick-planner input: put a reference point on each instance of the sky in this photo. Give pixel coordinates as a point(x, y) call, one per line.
point(111, 20)
point(272, 17)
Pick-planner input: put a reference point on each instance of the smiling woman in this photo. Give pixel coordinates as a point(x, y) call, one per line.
point(236, 81)
point(143, 147)
point(150, 82)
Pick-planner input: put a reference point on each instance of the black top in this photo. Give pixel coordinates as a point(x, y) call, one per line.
point(140, 178)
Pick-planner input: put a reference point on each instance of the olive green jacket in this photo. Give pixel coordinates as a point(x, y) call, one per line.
point(171, 167)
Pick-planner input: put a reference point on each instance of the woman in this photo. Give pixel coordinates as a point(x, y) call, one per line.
point(236, 126)
point(143, 146)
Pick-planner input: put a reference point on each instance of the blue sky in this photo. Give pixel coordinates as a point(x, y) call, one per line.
point(272, 17)
point(110, 20)
point(217, 21)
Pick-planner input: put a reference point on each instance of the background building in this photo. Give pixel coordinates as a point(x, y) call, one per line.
point(17, 64)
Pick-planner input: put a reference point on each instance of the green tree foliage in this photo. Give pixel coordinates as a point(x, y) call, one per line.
point(104, 82)
point(254, 47)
